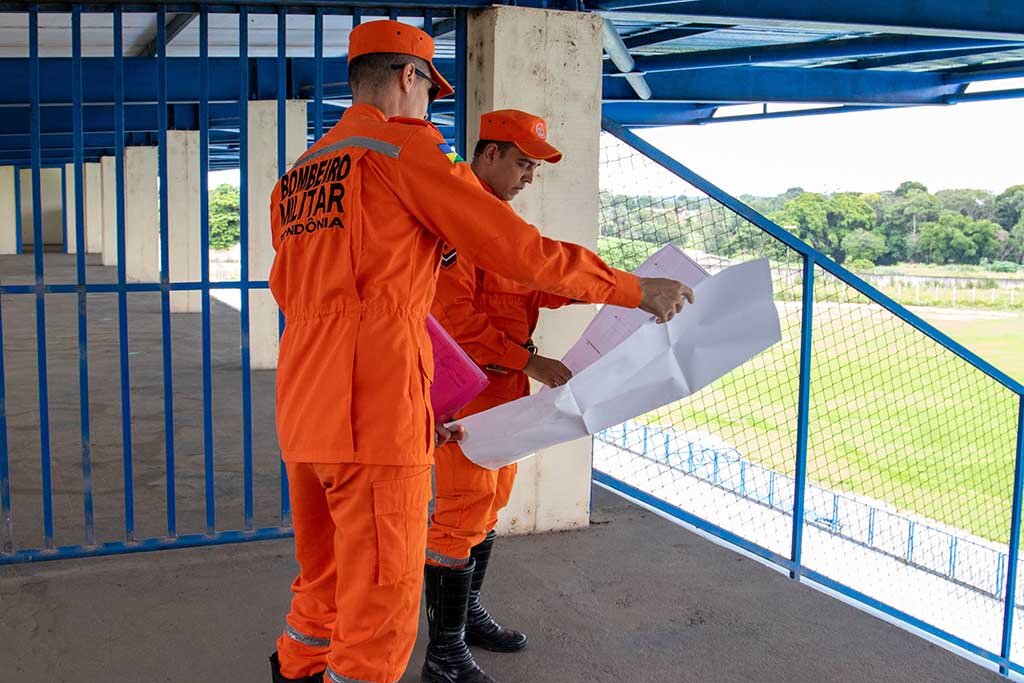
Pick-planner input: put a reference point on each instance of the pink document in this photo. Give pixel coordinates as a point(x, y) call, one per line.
point(457, 379)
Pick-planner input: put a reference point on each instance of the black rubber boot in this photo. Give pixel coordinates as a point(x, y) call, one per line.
point(275, 672)
point(448, 658)
point(481, 628)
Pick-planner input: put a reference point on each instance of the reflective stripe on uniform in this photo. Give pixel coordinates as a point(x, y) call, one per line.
point(373, 144)
point(336, 677)
point(445, 561)
point(300, 637)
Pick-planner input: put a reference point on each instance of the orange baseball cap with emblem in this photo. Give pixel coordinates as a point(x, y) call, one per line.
point(527, 132)
point(394, 36)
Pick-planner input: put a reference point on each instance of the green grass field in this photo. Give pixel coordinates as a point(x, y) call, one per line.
point(894, 416)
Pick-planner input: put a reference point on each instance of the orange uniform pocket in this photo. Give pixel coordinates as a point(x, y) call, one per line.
point(400, 515)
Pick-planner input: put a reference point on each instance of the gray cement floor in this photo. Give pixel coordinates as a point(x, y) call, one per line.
point(634, 598)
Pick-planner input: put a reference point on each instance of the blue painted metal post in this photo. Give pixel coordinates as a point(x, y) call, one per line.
point(80, 249)
point(1015, 529)
point(318, 79)
point(204, 262)
point(461, 78)
point(952, 557)
point(18, 246)
point(771, 488)
point(803, 408)
point(689, 460)
point(282, 93)
point(64, 203)
point(871, 527)
point(6, 524)
point(122, 276)
point(835, 512)
point(243, 231)
point(165, 277)
point(40, 281)
point(911, 528)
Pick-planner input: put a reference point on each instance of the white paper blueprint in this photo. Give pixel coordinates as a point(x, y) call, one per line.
point(613, 324)
point(734, 319)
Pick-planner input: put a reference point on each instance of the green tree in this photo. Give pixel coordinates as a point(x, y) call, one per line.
point(985, 235)
point(1009, 206)
point(903, 219)
point(978, 205)
point(849, 211)
point(948, 240)
point(224, 216)
point(863, 245)
point(807, 216)
point(909, 186)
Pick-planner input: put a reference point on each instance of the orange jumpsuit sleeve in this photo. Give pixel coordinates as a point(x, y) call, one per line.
point(455, 309)
point(450, 202)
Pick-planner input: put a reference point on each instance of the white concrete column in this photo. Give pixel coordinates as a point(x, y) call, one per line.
point(8, 215)
point(108, 171)
point(262, 177)
point(141, 213)
point(547, 63)
point(52, 205)
point(93, 193)
point(183, 217)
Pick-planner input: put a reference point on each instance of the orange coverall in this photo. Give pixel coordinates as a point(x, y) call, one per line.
point(358, 225)
point(492, 318)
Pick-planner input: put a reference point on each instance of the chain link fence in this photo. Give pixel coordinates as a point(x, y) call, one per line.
point(906, 480)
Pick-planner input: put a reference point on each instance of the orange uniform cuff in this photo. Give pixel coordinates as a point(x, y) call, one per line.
point(627, 290)
point(515, 358)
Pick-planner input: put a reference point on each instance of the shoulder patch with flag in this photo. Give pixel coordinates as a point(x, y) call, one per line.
point(452, 155)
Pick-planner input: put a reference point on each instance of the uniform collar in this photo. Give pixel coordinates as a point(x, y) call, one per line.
point(364, 111)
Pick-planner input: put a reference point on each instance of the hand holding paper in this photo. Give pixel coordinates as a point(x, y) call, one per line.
point(733, 319)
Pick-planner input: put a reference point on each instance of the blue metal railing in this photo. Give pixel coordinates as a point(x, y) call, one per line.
point(1007, 564)
point(135, 515)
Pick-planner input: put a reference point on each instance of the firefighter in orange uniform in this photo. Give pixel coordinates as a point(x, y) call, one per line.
point(358, 224)
point(492, 318)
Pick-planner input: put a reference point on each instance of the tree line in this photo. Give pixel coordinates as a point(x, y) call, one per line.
point(961, 226)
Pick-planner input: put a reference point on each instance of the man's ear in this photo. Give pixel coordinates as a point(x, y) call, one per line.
point(408, 77)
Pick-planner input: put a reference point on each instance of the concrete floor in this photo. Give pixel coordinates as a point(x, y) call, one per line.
point(634, 598)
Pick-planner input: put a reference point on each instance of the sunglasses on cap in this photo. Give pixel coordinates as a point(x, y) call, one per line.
point(434, 87)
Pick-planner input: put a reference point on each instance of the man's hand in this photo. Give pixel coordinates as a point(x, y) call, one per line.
point(547, 371)
point(443, 435)
point(663, 297)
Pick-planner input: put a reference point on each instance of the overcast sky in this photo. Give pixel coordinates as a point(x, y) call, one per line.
point(976, 145)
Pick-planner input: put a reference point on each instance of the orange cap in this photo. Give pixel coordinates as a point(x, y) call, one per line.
point(527, 132)
point(394, 36)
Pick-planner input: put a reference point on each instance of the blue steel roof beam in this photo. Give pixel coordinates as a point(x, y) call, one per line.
point(183, 77)
point(623, 61)
point(789, 84)
point(816, 111)
point(667, 34)
point(974, 19)
point(818, 49)
point(654, 114)
point(915, 58)
point(988, 72)
point(177, 24)
point(989, 96)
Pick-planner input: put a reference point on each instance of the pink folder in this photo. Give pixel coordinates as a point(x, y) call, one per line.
point(457, 379)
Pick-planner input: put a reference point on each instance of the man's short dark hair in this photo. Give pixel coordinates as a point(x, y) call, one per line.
point(373, 71)
point(482, 145)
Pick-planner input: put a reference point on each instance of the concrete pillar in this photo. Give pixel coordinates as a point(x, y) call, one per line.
point(8, 216)
point(547, 63)
point(69, 208)
point(52, 205)
point(183, 216)
point(141, 213)
point(262, 175)
point(108, 171)
point(93, 193)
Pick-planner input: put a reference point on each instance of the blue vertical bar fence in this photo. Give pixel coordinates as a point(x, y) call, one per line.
point(803, 417)
point(204, 263)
